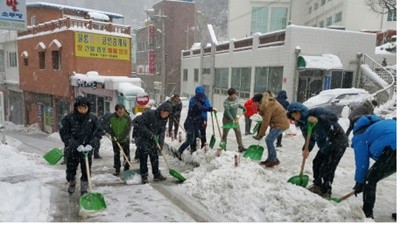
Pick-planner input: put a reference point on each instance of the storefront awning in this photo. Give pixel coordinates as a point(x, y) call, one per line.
point(323, 62)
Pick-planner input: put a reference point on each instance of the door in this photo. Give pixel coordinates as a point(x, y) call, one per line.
point(310, 84)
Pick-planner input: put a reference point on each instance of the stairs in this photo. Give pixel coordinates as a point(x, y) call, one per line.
point(377, 80)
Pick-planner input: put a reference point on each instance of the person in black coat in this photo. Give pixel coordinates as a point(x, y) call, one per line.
point(149, 131)
point(81, 132)
point(281, 98)
point(175, 115)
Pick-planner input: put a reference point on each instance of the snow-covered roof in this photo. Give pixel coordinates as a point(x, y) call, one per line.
point(71, 8)
point(98, 16)
point(56, 42)
point(129, 89)
point(325, 61)
point(24, 54)
point(41, 45)
point(110, 82)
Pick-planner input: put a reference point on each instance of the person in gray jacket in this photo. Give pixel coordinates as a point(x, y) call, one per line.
point(366, 107)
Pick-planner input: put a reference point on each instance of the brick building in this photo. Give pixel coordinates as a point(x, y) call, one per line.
point(61, 41)
point(159, 46)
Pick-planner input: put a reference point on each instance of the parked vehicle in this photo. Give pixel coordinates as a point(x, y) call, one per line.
point(336, 99)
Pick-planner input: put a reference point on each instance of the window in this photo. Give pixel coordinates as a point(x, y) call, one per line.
point(26, 62)
point(12, 59)
point(316, 6)
point(341, 79)
point(241, 78)
point(321, 23)
point(338, 17)
point(329, 21)
point(56, 59)
point(310, 10)
point(392, 15)
point(268, 78)
point(278, 18)
point(196, 75)
point(2, 61)
point(206, 71)
point(322, 2)
point(185, 74)
point(42, 60)
point(259, 19)
point(221, 78)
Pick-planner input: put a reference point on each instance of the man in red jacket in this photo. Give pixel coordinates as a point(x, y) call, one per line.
point(251, 109)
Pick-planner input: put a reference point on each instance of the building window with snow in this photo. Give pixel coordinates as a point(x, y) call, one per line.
point(12, 59)
point(185, 75)
point(268, 78)
point(278, 18)
point(392, 15)
point(321, 23)
point(240, 80)
point(341, 79)
point(338, 17)
point(329, 21)
point(259, 19)
point(56, 59)
point(221, 80)
point(42, 60)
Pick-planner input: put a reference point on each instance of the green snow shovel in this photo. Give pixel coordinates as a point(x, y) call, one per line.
point(222, 144)
point(127, 174)
point(302, 180)
point(212, 140)
point(53, 156)
point(233, 125)
point(346, 196)
point(254, 152)
point(91, 201)
point(172, 172)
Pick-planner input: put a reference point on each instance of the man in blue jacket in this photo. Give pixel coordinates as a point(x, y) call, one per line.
point(373, 138)
point(331, 141)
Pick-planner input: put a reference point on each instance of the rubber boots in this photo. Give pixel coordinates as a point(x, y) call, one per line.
point(71, 187)
point(84, 187)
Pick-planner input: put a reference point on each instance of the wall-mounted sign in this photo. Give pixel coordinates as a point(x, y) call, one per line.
point(92, 84)
point(102, 46)
point(152, 60)
point(13, 14)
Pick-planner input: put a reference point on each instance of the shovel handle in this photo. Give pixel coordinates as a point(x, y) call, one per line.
point(85, 155)
point(159, 148)
point(310, 127)
point(212, 123)
point(122, 151)
point(346, 196)
point(219, 129)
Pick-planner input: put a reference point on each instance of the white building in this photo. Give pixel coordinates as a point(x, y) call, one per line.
point(247, 17)
point(281, 60)
point(9, 78)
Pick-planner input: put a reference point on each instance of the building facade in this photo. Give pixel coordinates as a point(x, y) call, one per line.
point(247, 16)
point(281, 60)
point(9, 78)
point(159, 45)
point(59, 42)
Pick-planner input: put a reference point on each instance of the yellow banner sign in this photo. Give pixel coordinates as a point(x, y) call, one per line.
point(101, 46)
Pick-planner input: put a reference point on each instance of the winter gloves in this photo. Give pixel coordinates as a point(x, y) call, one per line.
point(86, 148)
point(358, 188)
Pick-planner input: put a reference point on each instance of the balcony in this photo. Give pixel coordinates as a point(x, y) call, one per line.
point(67, 23)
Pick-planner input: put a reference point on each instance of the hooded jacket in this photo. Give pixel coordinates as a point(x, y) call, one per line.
point(80, 129)
point(198, 108)
point(150, 124)
point(281, 98)
point(371, 136)
point(325, 132)
point(273, 114)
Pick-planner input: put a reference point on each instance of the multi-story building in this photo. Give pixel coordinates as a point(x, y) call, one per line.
point(247, 17)
point(9, 78)
point(62, 42)
point(167, 31)
point(301, 60)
